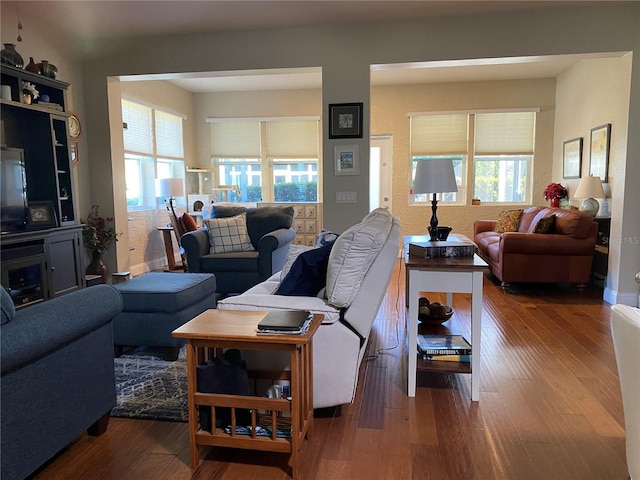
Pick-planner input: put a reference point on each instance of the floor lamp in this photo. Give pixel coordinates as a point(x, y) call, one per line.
point(434, 176)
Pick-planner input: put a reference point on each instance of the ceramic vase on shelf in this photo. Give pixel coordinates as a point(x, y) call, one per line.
point(33, 67)
point(555, 202)
point(97, 266)
point(10, 56)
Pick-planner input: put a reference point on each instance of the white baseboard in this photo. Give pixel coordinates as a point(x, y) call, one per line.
point(613, 297)
point(140, 268)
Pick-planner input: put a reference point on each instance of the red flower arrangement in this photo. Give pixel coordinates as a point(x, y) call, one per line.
point(97, 235)
point(555, 191)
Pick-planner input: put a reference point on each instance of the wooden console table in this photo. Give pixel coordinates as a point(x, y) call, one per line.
point(216, 329)
point(450, 275)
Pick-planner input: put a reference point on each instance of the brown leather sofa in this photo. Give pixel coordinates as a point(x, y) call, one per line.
point(562, 256)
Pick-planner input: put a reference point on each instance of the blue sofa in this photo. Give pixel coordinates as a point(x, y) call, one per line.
point(57, 375)
point(269, 230)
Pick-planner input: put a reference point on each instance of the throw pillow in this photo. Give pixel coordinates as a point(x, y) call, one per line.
point(353, 253)
point(545, 224)
point(508, 221)
point(308, 274)
point(292, 255)
point(263, 220)
point(188, 222)
point(228, 234)
point(325, 237)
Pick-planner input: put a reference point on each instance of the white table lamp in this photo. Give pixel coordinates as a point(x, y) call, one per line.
point(590, 188)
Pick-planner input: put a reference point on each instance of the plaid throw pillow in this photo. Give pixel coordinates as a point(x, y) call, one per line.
point(228, 234)
point(508, 221)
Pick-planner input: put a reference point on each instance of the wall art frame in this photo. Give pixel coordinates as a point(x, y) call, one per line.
point(41, 215)
point(345, 120)
point(347, 161)
point(572, 158)
point(599, 153)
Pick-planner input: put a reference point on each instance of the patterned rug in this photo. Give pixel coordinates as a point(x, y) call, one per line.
point(150, 388)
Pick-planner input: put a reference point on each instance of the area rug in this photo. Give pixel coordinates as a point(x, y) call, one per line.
point(150, 388)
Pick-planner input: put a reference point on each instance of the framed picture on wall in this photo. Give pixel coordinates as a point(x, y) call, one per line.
point(346, 160)
point(345, 120)
point(599, 159)
point(572, 158)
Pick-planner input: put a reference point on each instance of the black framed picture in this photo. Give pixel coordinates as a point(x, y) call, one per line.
point(599, 158)
point(345, 120)
point(572, 158)
point(41, 215)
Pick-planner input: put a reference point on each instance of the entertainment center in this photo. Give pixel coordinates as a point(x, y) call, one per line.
point(41, 238)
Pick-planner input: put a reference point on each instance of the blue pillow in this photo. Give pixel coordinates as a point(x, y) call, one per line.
point(308, 274)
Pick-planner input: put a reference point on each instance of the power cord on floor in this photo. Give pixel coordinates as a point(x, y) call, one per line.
point(380, 351)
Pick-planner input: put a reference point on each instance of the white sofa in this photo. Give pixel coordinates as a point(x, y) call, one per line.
point(625, 330)
point(360, 266)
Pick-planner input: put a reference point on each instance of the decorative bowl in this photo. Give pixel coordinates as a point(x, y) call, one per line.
point(437, 315)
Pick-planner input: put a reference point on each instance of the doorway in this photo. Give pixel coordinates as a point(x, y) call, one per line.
point(380, 172)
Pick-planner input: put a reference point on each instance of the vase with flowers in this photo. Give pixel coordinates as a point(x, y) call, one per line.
point(98, 234)
point(555, 192)
point(29, 92)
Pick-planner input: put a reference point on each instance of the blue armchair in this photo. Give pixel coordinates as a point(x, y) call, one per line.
point(57, 375)
point(270, 233)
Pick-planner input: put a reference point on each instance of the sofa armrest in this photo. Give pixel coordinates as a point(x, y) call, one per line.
point(196, 245)
point(272, 251)
point(545, 244)
point(480, 226)
point(41, 329)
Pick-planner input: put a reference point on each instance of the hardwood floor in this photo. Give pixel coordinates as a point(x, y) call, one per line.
point(549, 408)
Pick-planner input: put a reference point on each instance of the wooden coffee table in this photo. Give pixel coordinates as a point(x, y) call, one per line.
point(217, 329)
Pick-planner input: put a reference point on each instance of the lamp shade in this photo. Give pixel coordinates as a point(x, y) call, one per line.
point(169, 187)
point(435, 176)
point(589, 187)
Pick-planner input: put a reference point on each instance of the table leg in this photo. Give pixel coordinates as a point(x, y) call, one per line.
point(412, 287)
point(194, 454)
point(168, 249)
point(296, 397)
point(476, 324)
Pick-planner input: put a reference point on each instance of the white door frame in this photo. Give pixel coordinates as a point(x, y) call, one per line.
point(380, 177)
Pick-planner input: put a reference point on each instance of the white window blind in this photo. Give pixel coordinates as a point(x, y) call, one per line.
point(169, 135)
point(439, 134)
point(298, 139)
point(138, 136)
point(502, 133)
point(235, 139)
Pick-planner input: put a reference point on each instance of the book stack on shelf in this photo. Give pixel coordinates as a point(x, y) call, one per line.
point(452, 348)
point(285, 322)
point(454, 246)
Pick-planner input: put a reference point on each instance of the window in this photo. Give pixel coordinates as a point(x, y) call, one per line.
point(499, 146)
point(269, 160)
point(153, 144)
point(441, 136)
point(503, 156)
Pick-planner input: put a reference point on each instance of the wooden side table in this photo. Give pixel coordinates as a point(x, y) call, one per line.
point(168, 248)
point(450, 275)
point(216, 329)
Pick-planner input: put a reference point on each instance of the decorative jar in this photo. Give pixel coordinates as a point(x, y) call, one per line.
point(10, 56)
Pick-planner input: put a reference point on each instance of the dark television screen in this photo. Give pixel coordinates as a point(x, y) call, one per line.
point(13, 190)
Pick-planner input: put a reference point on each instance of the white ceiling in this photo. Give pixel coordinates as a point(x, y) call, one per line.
point(95, 20)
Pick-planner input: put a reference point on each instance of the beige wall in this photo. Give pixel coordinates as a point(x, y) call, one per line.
point(389, 109)
point(590, 94)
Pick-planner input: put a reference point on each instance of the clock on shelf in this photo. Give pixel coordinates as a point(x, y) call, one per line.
point(75, 129)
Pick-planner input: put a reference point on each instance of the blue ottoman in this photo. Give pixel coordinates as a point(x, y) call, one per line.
point(155, 304)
